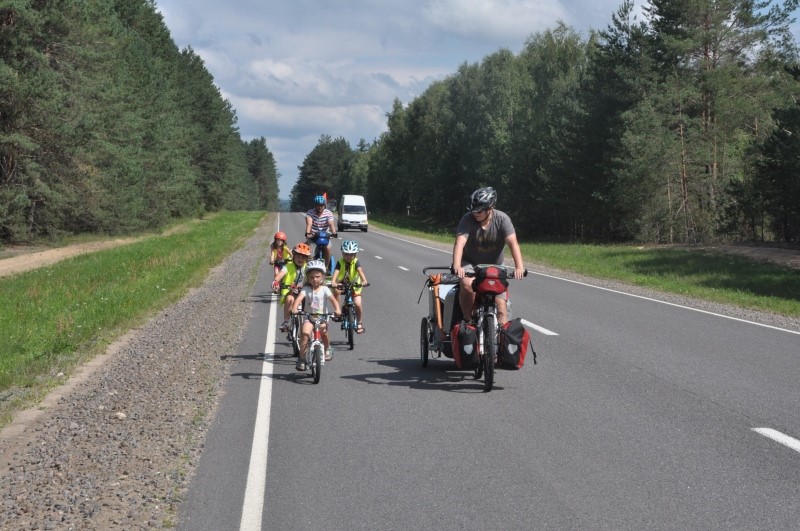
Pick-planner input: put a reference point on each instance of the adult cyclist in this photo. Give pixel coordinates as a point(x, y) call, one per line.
point(318, 219)
point(481, 236)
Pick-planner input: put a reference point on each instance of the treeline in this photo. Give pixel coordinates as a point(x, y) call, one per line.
point(682, 127)
point(106, 126)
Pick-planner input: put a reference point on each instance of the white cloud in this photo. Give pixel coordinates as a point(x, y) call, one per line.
point(509, 20)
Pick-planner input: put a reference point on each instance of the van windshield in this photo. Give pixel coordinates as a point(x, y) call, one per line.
point(355, 209)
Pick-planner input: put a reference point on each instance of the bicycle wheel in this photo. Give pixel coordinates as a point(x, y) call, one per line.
point(294, 332)
point(489, 351)
point(351, 324)
point(316, 362)
point(424, 346)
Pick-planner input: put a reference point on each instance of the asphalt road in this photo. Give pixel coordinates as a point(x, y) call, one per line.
point(639, 415)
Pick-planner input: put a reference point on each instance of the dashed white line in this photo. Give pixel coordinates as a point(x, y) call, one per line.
point(378, 257)
point(538, 328)
point(403, 268)
point(779, 437)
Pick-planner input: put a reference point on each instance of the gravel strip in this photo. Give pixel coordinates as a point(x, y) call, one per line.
point(117, 450)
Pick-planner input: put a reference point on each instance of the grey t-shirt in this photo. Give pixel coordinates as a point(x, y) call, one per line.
point(485, 246)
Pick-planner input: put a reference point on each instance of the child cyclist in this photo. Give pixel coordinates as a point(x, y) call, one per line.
point(321, 300)
point(349, 269)
point(291, 279)
point(279, 254)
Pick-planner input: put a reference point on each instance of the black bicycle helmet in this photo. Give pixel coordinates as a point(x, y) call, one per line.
point(482, 198)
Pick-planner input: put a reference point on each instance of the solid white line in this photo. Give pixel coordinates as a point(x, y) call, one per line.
point(667, 303)
point(403, 268)
point(538, 328)
point(253, 505)
point(777, 436)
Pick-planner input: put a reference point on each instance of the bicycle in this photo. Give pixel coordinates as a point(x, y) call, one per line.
point(295, 325)
point(492, 281)
point(315, 349)
point(320, 240)
point(349, 321)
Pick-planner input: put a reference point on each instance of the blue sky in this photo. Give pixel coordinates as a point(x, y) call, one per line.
point(297, 69)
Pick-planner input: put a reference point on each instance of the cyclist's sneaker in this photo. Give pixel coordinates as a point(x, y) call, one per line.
point(329, 354)
point(301, 365)
point(285, 326)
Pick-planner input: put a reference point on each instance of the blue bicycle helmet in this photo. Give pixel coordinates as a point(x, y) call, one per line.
point(349, 247)
point(319, 200)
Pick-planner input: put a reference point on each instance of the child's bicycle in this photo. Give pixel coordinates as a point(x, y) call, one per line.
point(295, 325)
point(315, 350)
point(349, 321)
point(277, 265)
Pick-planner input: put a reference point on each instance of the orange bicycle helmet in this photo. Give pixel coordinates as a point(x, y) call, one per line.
point(280, 236)
point(302, 248)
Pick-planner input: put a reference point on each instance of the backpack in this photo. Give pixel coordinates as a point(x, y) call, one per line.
point(465, 345)
point(513, 345)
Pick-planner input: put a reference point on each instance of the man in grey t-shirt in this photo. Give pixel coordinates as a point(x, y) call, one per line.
point(481, 236)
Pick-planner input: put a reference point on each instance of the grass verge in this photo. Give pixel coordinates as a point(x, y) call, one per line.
point(700, 274)
point(58, 316)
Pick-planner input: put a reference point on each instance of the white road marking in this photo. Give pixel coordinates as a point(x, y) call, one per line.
point(621, 292)
point(379, 257)
point(667, 303)
point(253, 505)
point(403, 268)
point(538, 328)
point(777, 436)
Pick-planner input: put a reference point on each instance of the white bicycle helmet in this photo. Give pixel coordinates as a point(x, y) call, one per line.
point(349, 247)
point(316, 265)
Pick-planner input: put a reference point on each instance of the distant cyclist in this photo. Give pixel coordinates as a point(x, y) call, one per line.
point(318, 219)
point(279, 254)
point(481, 236)
point(349, 268)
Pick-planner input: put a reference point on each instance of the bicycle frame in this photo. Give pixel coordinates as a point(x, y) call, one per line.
point(349, 309)
point(315, 348)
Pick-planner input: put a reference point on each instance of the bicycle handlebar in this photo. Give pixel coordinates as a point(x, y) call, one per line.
point(319, 317)
point(344, 285)
point(509, 270)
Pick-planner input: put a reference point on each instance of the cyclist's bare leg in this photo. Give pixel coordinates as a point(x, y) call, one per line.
point(287, 307)
point(466, 297)
point(305, 337)
point(359, 311)
point(502, 315)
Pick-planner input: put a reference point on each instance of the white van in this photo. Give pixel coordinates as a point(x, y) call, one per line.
point(352, 211)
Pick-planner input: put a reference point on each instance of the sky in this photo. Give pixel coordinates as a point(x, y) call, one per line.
point(295, 70)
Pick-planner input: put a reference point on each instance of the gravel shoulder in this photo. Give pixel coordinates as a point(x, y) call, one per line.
point(116, 446)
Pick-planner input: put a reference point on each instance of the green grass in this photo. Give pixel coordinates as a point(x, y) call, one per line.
point(51, 317)
point(707, 275)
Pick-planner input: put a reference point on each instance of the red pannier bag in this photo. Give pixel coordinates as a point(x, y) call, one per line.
point(513, 345)
point(490, 280)
point(465, 345)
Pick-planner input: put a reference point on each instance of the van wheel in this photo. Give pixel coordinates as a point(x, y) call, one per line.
point(364, 229)
point(339, 228)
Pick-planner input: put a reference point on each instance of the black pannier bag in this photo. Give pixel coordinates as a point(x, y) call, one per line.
point(465, 345)
point(513, 345)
